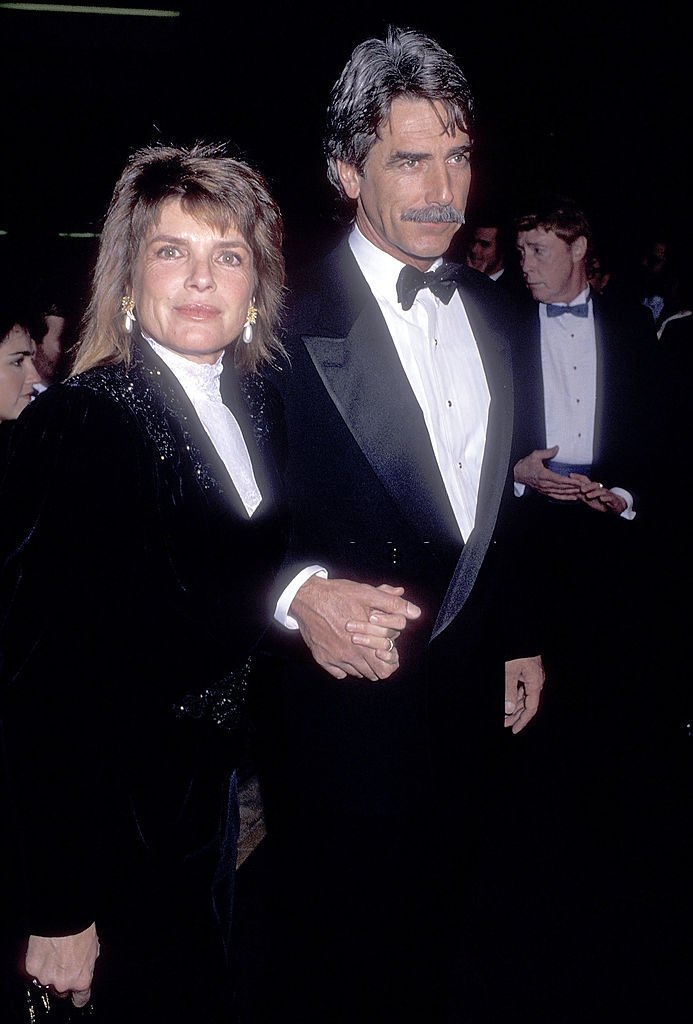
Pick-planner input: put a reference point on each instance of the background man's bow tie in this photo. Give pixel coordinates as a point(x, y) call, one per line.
point(580, 309)
point(442, 282)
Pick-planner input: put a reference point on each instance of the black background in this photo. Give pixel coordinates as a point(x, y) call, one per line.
point(592, 101)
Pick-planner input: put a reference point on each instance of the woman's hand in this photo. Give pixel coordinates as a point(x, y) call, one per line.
point(325, 609)
point(66, 962)
point(383, 627)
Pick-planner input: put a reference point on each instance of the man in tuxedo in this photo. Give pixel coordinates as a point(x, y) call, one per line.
point(588, 401)
point(586, 386)
point(380, 793)
point(489, 247)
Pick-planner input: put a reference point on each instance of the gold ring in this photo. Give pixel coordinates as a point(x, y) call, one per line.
point(600, 485)
point(391, 643)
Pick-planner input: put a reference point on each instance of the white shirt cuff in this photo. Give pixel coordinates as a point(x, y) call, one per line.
point(629, 511)
point(281, 612)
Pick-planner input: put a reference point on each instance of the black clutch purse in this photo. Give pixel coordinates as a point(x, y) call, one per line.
point(37, 1004)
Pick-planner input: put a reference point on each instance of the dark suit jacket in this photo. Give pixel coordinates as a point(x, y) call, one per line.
point(132, 585)
point(368, 502)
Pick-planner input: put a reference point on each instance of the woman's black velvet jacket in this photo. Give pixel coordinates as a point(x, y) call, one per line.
point(133, 590)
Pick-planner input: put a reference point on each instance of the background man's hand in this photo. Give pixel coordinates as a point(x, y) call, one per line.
point(597, 496)
point(532, 472)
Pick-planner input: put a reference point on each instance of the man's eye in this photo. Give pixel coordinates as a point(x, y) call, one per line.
point(231, 259)
point(167, 252)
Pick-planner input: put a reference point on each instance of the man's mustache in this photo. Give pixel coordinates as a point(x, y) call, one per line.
point(435, 215)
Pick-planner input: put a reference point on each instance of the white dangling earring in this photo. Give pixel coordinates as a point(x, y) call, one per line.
point(250, 319)
point(127, 304)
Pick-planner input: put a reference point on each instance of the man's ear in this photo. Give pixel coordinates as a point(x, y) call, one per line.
point(579, 248)
point(350, 179)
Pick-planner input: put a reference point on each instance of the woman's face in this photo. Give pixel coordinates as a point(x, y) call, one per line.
point(17, 372)
point(192, 285)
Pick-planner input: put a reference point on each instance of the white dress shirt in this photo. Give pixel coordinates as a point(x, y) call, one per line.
point(200, 381)
point(441, 360)
point(569, 368)
point(439, 355)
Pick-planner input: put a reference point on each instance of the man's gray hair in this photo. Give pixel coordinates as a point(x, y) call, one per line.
point(404, 64)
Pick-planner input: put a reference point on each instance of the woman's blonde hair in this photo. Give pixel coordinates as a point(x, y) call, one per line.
point(212, 187)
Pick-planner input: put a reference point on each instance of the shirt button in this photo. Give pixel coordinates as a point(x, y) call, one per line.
point(449, 404)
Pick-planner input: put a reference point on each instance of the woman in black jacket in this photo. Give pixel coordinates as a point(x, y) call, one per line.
point(141, 530)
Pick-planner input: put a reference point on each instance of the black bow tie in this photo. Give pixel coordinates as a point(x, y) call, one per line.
point(442, 282)
point(580, 309)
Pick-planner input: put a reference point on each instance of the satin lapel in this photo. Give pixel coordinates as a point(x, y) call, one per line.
point(494, 468)
point(368, 386)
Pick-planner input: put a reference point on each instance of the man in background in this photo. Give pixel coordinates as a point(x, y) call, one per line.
point(488, 245)
point(588, 445)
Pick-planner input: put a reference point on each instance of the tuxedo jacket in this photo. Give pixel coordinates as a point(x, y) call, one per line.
point(367, 502)
point(133, 589)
